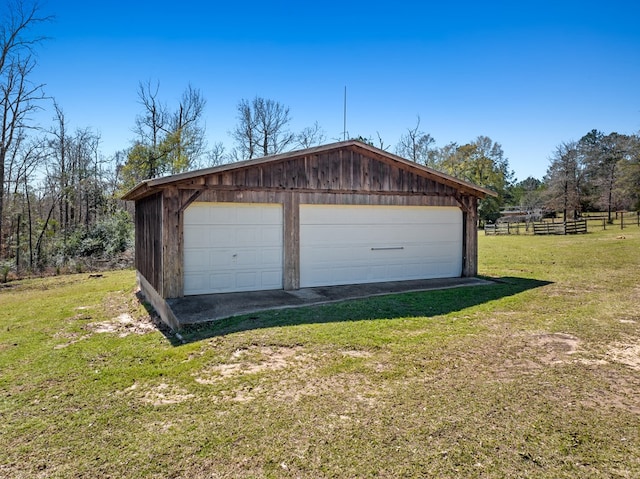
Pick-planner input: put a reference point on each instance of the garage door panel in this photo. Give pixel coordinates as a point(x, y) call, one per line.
point(198, 216)
point(370, 235)
point(344, 215)
point(220, 282)
point(271, 235)
point(232, 247)
point(196, 260)
point(246, 259)
point(271, 257)
point(218, 234)
point(245, 235)
point(361, 244)
point(196, 236)
point(271, 279)
point(246, 280)
point(193, 281)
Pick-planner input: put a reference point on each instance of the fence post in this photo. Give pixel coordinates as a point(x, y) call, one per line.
point(622, 220)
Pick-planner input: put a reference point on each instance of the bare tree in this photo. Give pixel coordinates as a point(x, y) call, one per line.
point(186, 135)
point(168, 142)
point(29, 154)
point(262, 128)
point(272, 119)
point(245, 133)
point(415, 145)
point(18, 96)
point(310, 136)
point(215, 155)
point(153, 120)
point(151, 124)
point(59, 172)
point(381, 144)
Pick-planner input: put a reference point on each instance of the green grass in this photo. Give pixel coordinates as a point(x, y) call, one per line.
point(537, 375)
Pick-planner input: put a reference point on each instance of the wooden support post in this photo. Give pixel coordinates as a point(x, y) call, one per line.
point(172, 245)
point(469, 236)
point(291, 237)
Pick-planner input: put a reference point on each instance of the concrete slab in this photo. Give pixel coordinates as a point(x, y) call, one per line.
point(210, 307)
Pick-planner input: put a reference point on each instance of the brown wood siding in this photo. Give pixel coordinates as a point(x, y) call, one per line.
point(148, 222)
point(320, 197)
point(340, 171)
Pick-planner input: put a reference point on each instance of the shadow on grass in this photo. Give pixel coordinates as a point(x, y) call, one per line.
point(400, 305)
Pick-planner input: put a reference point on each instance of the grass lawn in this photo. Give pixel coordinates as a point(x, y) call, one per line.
point(537, 375)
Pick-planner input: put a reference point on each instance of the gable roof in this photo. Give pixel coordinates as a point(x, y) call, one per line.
point(150, 186)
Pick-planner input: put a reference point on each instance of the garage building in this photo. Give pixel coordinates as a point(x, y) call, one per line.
point(342, 213)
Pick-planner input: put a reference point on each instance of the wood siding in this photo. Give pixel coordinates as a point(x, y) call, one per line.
point(335, 171)
point(148, 254)
point(318, 198)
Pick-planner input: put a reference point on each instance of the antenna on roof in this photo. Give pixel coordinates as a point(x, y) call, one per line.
point(344, 128)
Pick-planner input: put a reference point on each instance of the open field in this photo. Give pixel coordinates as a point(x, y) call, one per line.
point(535, 376)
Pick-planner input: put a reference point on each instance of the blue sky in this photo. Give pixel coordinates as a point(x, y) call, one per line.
point(529, 76)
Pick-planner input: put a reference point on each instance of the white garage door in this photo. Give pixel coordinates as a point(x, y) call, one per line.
point(370, 244)
point(232, 247)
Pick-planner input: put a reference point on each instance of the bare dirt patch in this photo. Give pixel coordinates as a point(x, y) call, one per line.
point(358, 388)
point(517, 355)
point(357, 354)
point(158, 395)
point(555, 347)
point(625, 353)
point(252, 360)
point(547, 349)
point(524, 353)
point(300, 379)
point(123, 325)
point(127, 317)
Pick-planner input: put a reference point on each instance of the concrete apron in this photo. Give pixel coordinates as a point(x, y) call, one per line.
point(210, 307)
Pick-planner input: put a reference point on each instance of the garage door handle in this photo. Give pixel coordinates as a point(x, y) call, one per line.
point(390, 247)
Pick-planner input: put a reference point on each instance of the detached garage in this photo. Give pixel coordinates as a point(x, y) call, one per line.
point(343, 213)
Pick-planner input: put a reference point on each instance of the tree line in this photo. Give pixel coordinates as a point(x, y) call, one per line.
point(59, 200)
point(599, 172)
